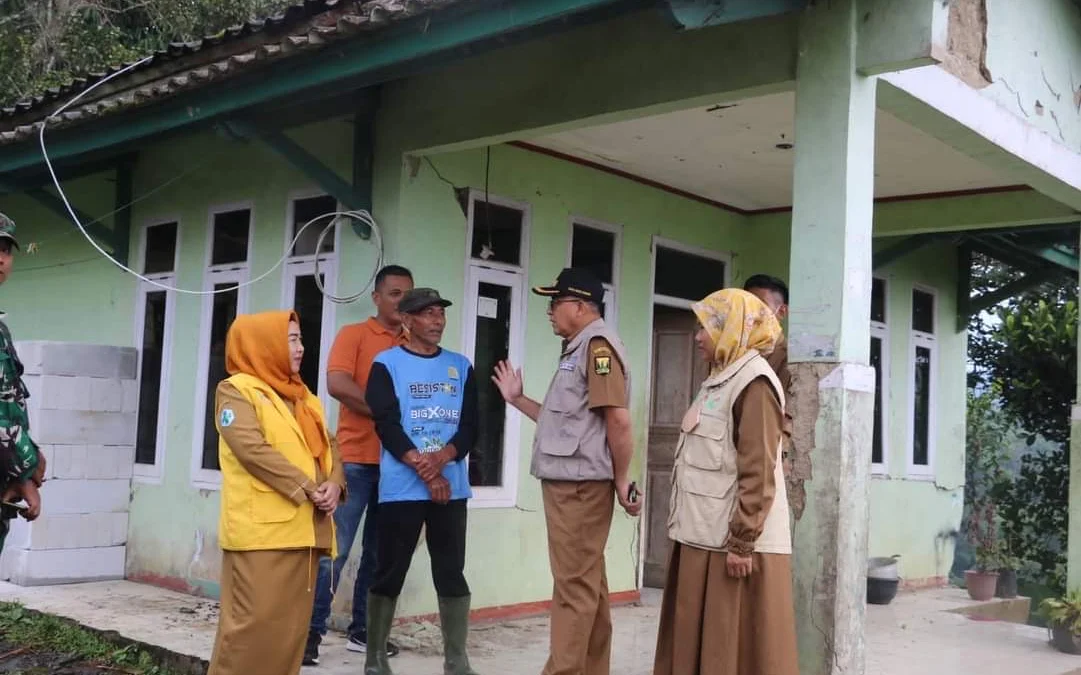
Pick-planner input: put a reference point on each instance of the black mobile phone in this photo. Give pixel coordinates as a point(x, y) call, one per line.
point(632, 493)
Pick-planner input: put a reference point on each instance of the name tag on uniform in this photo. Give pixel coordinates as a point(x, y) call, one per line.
point(566, 365)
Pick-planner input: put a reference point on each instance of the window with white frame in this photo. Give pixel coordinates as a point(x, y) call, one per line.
point(683, 275)
point(595, 246)
point(154, 318)
point(494, 329)
point(879, 361)
point(229, 255)
point(300, 291)
point(923, 361)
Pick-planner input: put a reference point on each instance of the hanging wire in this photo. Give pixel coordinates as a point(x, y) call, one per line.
point(360, 215)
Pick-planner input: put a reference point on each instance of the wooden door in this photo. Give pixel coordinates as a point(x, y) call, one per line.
point(677, 373)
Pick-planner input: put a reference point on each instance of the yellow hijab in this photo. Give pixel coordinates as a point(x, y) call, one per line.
point(737, 322)
point(258, 345)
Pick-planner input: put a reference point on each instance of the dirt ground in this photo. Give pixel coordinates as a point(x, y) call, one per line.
point(24, 661)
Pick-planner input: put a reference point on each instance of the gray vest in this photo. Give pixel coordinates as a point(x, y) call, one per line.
point(571, 441)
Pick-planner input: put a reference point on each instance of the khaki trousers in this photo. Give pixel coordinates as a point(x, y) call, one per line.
point(579, 517)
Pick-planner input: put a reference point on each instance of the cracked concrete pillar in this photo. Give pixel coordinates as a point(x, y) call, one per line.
point(829, 339)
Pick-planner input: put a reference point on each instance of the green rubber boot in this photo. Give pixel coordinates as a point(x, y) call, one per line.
point(454, 622)
point(380, 617)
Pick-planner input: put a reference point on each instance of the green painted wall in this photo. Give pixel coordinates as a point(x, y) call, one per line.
point(66, 278)
point(909, 515)
point(1033, 52)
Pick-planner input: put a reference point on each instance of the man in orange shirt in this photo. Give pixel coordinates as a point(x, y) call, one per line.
point(350, 362)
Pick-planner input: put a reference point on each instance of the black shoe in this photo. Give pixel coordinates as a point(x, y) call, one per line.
point(358, 642)
point(311, 650)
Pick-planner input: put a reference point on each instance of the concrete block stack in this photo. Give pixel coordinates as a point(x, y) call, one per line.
point(83, 413)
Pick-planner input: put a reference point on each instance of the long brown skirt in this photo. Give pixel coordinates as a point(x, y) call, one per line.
point(266, 606)
point(714, 624)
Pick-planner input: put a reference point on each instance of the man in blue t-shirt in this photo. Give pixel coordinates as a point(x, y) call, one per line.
point(424, 402)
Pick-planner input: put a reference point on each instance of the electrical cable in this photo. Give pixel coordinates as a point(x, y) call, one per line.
point(361, 215)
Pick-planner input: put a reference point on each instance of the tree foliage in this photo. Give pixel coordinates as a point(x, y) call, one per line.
point(45, 43)
point(1024, 356)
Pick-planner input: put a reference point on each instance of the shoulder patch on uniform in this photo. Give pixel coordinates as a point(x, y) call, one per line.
point(602, 365)
point(227, 417)
point(602, 350)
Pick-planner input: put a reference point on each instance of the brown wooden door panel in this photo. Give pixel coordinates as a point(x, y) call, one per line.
point(677, 373)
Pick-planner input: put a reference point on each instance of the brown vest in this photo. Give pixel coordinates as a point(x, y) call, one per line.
point(705, 476)
point(571, 442)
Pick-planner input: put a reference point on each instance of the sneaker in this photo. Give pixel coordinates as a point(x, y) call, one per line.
point(358, 642)
point(311, 650)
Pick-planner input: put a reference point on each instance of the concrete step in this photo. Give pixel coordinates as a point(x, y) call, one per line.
point(1010, 610)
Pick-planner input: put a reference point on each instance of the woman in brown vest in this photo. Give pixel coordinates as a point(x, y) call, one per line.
point(727, 607)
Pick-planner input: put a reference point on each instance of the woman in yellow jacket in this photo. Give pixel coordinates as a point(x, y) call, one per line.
point(281, 482)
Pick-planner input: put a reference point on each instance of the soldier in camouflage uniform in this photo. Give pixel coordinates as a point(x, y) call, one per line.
point(22, 467)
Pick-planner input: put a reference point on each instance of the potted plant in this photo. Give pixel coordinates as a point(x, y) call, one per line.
point(982, 579)
point(1063, 616)
point(1006, 586)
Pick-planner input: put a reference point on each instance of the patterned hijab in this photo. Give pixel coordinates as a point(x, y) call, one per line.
point(258, 345)
point(737, 322)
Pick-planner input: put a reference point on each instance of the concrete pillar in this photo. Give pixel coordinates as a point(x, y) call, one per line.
point(829, 339)
point(1073, 527)
point(83, 406)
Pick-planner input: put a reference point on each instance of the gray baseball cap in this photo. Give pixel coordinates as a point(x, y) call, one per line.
point(419, 299)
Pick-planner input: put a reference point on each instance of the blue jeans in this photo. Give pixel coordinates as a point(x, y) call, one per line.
point(362, 483)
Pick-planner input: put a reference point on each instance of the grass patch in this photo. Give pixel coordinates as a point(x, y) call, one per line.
point(23, 628)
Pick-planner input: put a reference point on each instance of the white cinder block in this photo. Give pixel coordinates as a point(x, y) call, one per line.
point(86, 496)
point(30, 352)
point(73, 426)
point(60, 392)
point(119, 529)
point(71, 462)
point(106, 395)
point(35, 568)
point(49, 452)
point(63, 358)
point(99, 462)
point(19, 535)
point(33, 386)
point(124, 460)
point(130, 390)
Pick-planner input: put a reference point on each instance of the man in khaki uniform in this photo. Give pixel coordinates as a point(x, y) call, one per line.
point(581, 453)
point(774, 293)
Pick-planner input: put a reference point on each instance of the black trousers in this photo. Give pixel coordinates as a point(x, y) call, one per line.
point(399, 531)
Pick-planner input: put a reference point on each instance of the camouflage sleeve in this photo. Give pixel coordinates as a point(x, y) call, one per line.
point(18, 452)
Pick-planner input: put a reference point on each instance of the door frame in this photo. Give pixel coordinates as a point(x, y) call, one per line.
point(506, 495)
point(657, 241)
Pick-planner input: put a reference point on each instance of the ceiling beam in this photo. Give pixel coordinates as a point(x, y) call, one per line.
point(353, 197)
point(95, 229)
point(1014, 288)
point(902, 248)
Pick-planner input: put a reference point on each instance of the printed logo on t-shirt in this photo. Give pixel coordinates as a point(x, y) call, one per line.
point(434, 413)
point(428, 389)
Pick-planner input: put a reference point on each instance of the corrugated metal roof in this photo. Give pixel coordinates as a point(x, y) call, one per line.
point(303, 27)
